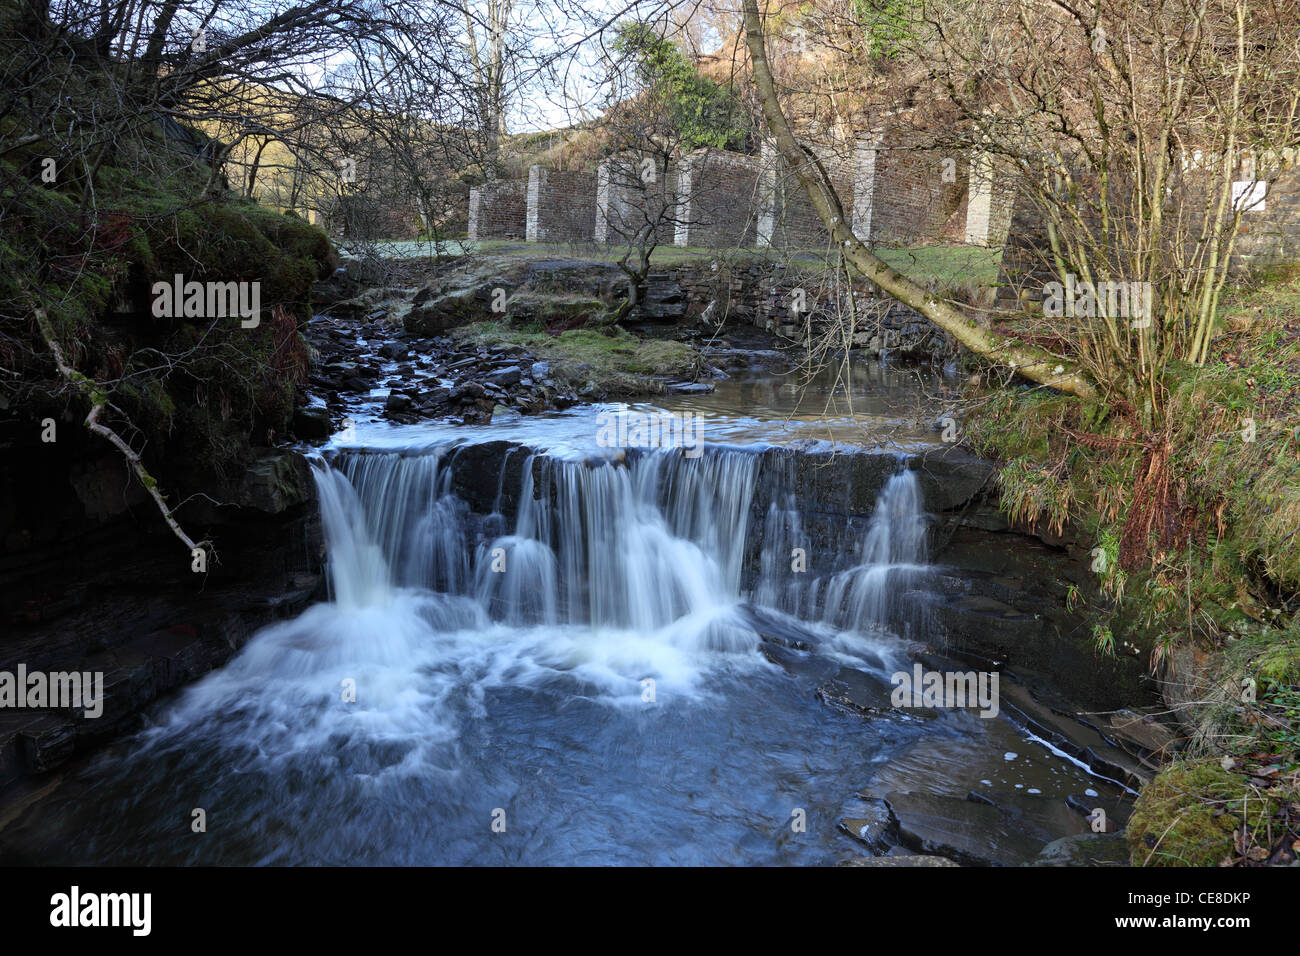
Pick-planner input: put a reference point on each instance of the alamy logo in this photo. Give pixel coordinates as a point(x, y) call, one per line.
point(58, 690)
point(208, 300)
point(624, 428)
point(75, 908)
point(1121, 300)
point(952, 689)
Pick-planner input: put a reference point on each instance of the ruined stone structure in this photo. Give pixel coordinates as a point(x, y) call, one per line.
point(633, 194)
point(893, 191)
point(561, 205)
point(905, 194)
point(718, 199)
point(499, 210)
point(787, 218)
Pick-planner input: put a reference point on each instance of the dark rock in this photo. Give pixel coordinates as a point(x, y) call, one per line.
point(506, 376)
point(688, 388)
point(970, 833)
point(897, 861)
point(1085, 849)
point(276, 482)
point(871, 824)
point(312, 422)
point(467, 390)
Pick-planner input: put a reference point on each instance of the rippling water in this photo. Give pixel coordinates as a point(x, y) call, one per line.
point(582, 683)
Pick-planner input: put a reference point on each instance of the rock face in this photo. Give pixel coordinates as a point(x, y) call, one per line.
point(434, 310)
point(553, 292)
point(276, 482)
point(91, 580)
point(145, 646)
point(312, 422)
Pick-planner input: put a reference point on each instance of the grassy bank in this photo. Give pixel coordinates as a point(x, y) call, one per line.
point(938, 266)
point(1193, 534)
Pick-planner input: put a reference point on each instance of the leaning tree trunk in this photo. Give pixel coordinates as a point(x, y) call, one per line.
point(1032, 363)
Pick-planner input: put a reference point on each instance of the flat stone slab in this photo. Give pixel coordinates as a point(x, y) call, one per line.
point(973, 833)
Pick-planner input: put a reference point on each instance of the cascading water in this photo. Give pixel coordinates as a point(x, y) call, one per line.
point(590, 672)
point(655, 547)
point(873, 594)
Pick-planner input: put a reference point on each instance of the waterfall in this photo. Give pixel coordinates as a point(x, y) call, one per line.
point(402, 507)
point(876, 591)
point(656, 544)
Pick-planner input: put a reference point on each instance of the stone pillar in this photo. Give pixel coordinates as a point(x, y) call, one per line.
point(768, 184)
point(535, 174)
point(687, 178)
point(602, 202)
point(864, 186)
point(989, 202)
point(475, 205)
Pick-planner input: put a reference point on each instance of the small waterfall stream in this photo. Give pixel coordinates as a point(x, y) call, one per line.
point(582, 660)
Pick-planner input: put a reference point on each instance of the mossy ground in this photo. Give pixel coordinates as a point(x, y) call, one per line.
point(1197, 813)
point(596, 362)
point(193, 393)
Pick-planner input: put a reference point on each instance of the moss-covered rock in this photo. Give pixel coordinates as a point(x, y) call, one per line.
point(195, 394)
point(1193, 814)
point(547, 311)
point(599, 365)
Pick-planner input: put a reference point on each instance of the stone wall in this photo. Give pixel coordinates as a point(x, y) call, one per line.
point(1270, 230)
point(787, 218)
point(718, 199)
point(763, 294)
point(893, 190)
point(499, 210)
point(561, 205)
point(905, 194)
point(635, 193)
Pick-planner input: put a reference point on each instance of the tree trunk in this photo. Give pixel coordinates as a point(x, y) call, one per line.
point(1033, 364)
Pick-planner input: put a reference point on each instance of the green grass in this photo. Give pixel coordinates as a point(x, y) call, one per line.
point(939, 267)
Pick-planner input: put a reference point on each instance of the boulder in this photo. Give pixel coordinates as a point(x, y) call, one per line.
point(276, 482)
point(312, 422)
point(506, 376)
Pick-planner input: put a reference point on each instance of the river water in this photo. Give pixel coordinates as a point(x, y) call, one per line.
point(581, 681)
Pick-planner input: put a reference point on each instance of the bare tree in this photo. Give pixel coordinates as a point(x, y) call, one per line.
point(1033, 363)
point(128, 87)
point(1140, 133)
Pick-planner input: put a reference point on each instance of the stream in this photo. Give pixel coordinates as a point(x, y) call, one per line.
point(615, 663)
